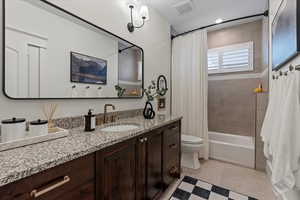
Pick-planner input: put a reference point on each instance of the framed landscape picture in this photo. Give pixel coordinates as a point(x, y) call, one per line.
point(285, 33)
point(87, 69)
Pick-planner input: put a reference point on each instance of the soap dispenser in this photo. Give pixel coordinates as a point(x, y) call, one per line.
point(90, 121)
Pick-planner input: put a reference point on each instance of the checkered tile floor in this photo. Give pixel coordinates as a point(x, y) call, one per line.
point(193, 189)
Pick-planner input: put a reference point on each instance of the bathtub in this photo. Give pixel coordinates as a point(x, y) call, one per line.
point(232, 148)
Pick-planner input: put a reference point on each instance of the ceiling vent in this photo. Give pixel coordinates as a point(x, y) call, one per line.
point(183, 7)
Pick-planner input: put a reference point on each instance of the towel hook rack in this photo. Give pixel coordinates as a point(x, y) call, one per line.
point(286, 73)
point(297, 67)
point(280, 73)
point(291, 68)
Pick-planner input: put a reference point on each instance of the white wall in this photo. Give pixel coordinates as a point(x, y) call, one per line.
point(112, 15)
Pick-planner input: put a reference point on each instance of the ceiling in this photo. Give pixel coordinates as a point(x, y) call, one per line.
point(198, 13)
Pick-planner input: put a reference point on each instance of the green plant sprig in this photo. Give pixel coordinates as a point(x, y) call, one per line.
point(152, 91)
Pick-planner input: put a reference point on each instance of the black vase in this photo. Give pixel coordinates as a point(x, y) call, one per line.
point(149, 112)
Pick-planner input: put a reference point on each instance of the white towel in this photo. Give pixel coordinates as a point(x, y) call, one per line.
point(267, 125)
point(285, 146)
point(284, 84)
point(272, 119)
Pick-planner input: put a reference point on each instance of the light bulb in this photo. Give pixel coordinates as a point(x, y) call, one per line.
point(144, 12)
point(219, 20)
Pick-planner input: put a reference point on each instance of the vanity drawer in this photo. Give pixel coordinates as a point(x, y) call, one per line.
point(73, 179)
point(172, 129)
point(171, 153)
point(172, 137)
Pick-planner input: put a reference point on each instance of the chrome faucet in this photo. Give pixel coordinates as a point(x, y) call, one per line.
point(105, 111)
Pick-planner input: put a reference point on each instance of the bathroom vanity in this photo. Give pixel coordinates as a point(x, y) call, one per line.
point(137, 164)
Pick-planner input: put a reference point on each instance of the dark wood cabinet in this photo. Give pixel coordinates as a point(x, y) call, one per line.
point(72, 180)
point(131, 170)
point(116, 172)
point(84, 192)
point(171, 153)
point(149, 172)
point(140, 168)
point(141, 171)
point(154, 164)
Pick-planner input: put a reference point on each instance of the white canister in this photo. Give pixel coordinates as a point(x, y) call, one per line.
point(13, 129)
point(38, 128)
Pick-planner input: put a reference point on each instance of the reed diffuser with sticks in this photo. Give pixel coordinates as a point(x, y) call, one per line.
point(49, 111)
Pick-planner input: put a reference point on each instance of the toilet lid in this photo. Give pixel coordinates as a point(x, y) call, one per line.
point(188, 139)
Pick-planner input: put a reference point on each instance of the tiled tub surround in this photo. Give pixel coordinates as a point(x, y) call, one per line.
point(262, 103)
point(26, 161)
point(231, 106)
point(240, 33)
point(231, 100)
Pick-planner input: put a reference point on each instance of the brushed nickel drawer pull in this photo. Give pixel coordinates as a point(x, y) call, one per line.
point(173, 146)
point(35, 193)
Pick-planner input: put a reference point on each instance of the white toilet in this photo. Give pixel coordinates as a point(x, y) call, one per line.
point(191, 148)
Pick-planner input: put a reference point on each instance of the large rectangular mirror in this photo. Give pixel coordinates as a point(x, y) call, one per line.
point(51, 53)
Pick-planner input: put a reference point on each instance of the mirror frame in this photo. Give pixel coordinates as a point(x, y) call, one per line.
point(81, 19)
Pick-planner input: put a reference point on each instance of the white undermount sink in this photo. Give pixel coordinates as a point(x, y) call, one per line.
point(120, 128)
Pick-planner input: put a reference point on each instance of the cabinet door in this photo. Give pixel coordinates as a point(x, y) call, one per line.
point(115, 171)
point(154, 164)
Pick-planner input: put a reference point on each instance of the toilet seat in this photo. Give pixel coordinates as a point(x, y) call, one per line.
point(188, 139)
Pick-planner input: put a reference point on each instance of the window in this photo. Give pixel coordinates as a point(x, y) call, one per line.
point(233, 58)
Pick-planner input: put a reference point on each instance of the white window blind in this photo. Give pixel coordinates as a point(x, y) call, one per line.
point(233, 58)
point(213, 61)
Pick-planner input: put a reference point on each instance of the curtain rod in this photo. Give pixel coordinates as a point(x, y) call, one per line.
point(266, 14)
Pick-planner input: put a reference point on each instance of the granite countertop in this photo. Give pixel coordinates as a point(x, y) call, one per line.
point(25, 161)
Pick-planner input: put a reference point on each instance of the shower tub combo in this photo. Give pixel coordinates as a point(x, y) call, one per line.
point(232, 148)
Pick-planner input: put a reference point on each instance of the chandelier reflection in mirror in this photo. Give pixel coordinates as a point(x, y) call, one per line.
point(137, 13)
